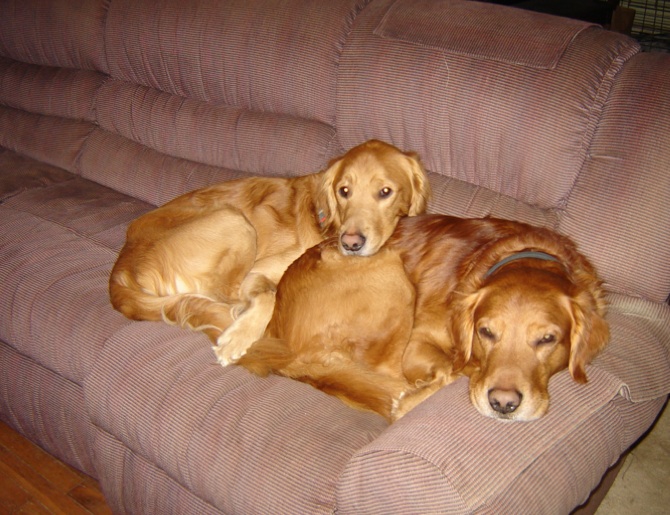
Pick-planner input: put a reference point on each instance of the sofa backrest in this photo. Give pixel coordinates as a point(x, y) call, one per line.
point(515, 114)
point(508, 106)
point(524, 116)
point(158, 98)
point(618, 210)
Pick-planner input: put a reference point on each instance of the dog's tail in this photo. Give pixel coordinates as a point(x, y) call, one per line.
point(267, 355)
point(190, 310)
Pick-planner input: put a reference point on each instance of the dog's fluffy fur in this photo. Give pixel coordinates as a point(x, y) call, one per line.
point(210, 259)
point(386, 332)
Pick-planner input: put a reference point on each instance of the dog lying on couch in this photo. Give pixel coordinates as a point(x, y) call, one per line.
point(503, 302)
point(210, 259)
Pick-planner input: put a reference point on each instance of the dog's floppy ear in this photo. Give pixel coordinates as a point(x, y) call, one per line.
point(327, 203)
point(421, 191)
point(589, 334)
point(461, 325)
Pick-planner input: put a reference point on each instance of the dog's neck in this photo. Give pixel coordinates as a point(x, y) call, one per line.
point(528, 254)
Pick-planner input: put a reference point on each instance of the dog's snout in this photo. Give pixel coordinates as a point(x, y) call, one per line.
point(504, 401)
point(352, 242)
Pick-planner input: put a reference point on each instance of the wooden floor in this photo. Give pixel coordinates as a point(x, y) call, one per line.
point(33, 482)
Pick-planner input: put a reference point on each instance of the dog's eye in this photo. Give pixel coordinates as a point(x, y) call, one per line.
point(485, 332)
point(344, 191)
point(385, 192)
point(547, 338)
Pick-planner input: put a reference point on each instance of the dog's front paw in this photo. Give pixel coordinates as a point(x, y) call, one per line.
point(224, 355)
point(228, 353)
point(233, 344)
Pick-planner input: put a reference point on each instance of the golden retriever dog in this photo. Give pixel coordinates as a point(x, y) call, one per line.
point(210, 260)
point(503, 302)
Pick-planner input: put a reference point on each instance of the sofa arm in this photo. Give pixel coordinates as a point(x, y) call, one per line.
point(618, 210)
point(444, 456)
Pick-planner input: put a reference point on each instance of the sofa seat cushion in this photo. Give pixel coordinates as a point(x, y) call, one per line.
point(45, 407)
point(20, 174)
point(159, 392)
point(57, 246)
point(242, 443)
point(129, 481)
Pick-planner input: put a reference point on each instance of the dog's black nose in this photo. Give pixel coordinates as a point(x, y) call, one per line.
point(352, 242)
point(504, 401)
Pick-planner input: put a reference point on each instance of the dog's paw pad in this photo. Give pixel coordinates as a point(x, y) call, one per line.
point(231, 346)
point(227, 356)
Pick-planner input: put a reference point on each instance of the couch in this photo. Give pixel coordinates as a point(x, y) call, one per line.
point(109, 108)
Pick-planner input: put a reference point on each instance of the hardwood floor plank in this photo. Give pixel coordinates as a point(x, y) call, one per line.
point(37, 486)
point(60, 475)
point(33, 508)
point(36, 483)
point(91, 499)
point(12, 496)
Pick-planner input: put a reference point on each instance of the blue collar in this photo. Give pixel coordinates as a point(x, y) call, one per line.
point(520, 255)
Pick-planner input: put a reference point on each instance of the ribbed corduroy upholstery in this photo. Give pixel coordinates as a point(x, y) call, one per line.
point(624, 184)
point(111, 107)
point(46, 408)
point(277, 57)
point(244, 445)
point(513, 128)
point(61, 34)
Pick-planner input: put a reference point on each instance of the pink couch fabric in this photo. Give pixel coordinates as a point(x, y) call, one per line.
point(111, 107)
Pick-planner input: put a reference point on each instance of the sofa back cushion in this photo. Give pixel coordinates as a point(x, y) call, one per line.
point(63, 34)
point(267, 56)
point(521, 115)
point(618, 210)
point(472, 99)
point(196, 85)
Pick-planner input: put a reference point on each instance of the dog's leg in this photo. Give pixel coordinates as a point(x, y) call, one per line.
point(423, 362)
point(199, 313)
point(358, 387)
point(412, 397)
point(427, 369)
point(257, 294)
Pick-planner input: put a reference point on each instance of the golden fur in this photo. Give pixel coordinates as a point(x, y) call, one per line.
point(210, 259)
point(386, 332)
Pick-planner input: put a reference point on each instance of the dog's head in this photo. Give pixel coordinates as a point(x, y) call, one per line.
point(368, 190)
point(524, 322)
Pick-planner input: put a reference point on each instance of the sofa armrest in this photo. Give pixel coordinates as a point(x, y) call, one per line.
point(444, 453)
point(617, 211)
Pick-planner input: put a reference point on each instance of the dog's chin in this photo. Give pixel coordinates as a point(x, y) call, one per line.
point(522, 414)
point(365, 251)
point(509, 417)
